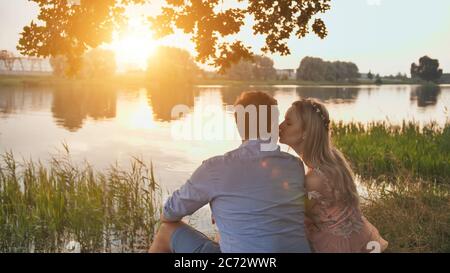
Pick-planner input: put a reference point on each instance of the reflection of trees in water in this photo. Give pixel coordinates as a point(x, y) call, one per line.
point(401, 88)
point(9, 102)
point(15, 99)
point(72, 106)
point(230, 93)
point(329, 94)
point(162, 98)
point(426, 95)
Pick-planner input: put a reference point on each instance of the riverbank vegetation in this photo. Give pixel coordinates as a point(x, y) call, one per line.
point(383, 151)
point(50, 207)
point(407, 172)
point(62, 207)
point(139, 79)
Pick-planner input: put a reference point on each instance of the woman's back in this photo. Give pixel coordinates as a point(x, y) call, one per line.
point(332, 225)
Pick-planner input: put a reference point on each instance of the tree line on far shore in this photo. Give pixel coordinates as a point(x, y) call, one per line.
point(171, 64)
point(96, 63)
point(318, 70)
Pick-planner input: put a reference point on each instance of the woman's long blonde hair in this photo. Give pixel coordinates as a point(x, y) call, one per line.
point(319, 151)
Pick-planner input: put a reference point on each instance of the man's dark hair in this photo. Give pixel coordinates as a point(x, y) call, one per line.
point(257, 99)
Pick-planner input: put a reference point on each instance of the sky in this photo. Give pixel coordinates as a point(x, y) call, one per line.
point(384, 36)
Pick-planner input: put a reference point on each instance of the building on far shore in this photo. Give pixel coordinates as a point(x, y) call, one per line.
point(445, 78)
point(286, 74)
point(364, 76)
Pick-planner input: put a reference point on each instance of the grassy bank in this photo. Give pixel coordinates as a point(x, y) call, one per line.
point(296, 82)
point(413, 215)
point(387, 152)
point(139, 79)
point(43, 209)
point(409, 172)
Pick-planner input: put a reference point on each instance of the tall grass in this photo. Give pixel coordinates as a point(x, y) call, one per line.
point(414, 216)
point(386, 152)
point(407, 171)
point(43, 208)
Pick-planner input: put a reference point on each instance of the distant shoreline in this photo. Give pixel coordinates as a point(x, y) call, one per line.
point(140, 80)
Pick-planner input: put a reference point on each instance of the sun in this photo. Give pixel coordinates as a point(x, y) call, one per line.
point(133, 46)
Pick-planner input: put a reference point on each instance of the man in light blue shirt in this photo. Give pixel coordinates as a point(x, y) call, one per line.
point(255, 195)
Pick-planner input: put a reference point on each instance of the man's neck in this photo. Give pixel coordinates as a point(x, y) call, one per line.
point(257, 139)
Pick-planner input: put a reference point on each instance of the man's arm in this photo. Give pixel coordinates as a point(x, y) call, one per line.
point(165, 220)
point(193, 195)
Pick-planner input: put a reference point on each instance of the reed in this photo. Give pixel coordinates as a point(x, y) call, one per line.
point(414, 216)
point(44, 208)
point(386, 152)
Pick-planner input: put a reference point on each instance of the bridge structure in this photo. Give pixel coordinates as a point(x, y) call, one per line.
point(11, 64)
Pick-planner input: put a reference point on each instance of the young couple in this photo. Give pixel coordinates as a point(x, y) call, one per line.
point(262, 201)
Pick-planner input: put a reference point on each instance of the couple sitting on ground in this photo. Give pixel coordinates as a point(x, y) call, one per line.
point(262, 200)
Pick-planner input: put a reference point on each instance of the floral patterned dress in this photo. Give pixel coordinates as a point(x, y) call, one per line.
point(335, 227)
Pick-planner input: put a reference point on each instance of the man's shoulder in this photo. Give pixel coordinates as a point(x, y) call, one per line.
point(294, 160)
point(233, 160)
point(213, 160)
point(285, 157)
point(237, 153)
point(290, 156)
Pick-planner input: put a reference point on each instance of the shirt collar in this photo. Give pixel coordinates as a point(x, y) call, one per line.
point(255, 143)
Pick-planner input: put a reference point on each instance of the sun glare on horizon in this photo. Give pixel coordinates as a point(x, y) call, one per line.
point(133, 46)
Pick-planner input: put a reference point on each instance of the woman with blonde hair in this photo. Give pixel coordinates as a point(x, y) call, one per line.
point(334, 221)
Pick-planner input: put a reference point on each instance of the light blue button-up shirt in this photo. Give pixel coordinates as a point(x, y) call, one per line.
point(256, 197)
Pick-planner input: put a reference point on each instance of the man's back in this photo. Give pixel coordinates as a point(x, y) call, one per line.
point(256, 197)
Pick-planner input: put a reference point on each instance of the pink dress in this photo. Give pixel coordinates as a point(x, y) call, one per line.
point(335, 227)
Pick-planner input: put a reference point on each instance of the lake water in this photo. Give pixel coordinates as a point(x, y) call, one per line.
point(105, 125)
